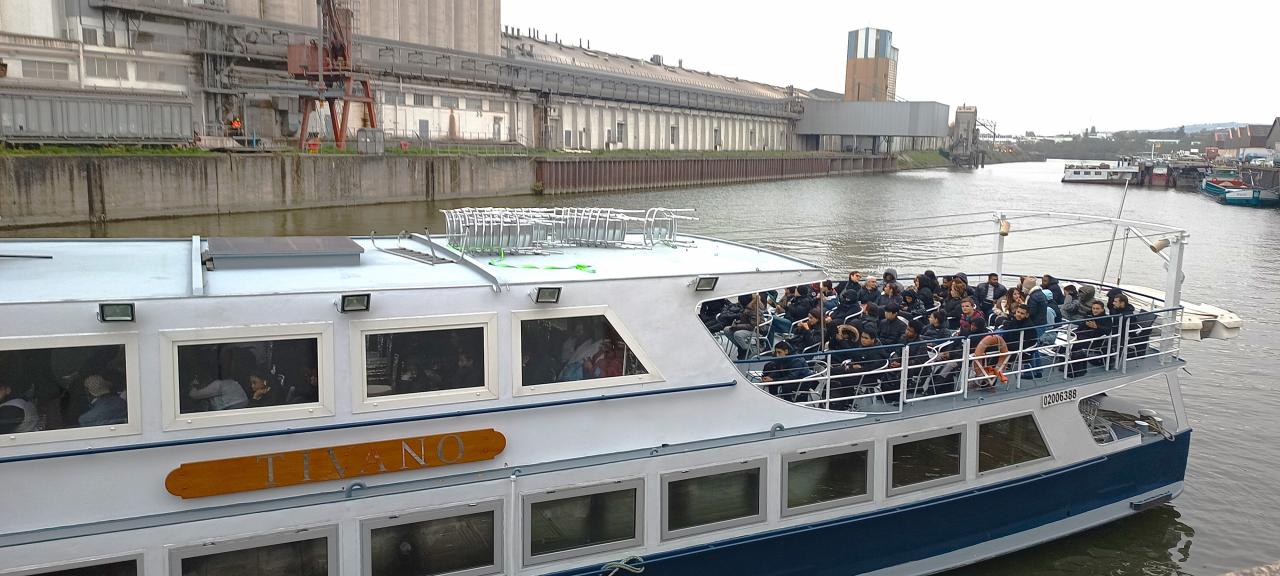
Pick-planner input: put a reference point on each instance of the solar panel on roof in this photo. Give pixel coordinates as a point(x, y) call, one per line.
point(281, 252)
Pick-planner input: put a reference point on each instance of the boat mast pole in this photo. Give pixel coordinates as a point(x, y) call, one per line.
point(1114, 230)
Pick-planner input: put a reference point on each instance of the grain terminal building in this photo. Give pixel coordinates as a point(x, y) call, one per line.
point(100, 71)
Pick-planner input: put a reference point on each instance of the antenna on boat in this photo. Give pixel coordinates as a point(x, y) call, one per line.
point(28, 256)
point(1115, 229)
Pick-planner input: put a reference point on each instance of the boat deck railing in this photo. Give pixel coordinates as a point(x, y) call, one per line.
point(956, 368)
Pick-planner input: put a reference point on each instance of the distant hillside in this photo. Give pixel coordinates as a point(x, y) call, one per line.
point(1191, 128)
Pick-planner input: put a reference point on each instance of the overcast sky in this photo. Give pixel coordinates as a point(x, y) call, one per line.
point(1031, 65)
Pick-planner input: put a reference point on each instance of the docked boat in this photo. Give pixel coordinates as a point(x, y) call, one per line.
point(1101, 173)
point(1251, 196)
point(1159, 176)
point(533, 392)
point(1221, 181)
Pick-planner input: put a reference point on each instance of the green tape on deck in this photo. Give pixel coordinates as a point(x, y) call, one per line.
point(502, 256)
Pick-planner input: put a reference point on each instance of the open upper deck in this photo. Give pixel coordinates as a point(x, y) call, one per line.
point(94, 270)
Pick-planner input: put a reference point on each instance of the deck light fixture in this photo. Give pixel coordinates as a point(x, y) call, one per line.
point(545, 295)
point(354, 303)
point(705, 283)
point(115, 312)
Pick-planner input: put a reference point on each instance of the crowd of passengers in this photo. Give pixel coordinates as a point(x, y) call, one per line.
point(41, 390)
point(863, 323)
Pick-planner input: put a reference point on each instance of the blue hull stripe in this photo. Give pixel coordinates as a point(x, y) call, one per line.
point(921, 530)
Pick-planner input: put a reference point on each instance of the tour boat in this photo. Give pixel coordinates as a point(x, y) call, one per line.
point(533, 392)
point(1102, 173)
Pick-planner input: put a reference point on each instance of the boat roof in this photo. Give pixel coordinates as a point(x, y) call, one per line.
point(134, 269)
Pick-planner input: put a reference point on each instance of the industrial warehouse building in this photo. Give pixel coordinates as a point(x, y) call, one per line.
point(441, 71)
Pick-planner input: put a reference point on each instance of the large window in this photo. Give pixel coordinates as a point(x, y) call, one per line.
point(924, 460)
point(826, 478)
point(251, 374)
point(449, 102)
point(584, 349)
point(54, 388)
point(465, 541)
point(1009, 442)
point(119, 568)
point(106, 68)
point(416, 361)
point(304, 553)
point(714, 498)
point(157, 72)
point(45, 70)
point(248, 374)
point(579, 521)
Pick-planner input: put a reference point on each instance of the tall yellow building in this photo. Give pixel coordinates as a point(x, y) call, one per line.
point(871, 71)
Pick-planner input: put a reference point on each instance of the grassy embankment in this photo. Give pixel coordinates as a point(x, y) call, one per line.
point(917, 159)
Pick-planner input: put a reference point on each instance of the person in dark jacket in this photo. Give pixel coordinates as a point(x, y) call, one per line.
point(891, 277)
point(1097, 325)
point(927, 298)
point(1119, 304)
point(847, 338)
point(785, 367)
point(890, 295)
point(1020, 332)
point(911, 305)
point(870, 291)
point(1037, 304)
point(797, 307)
point(1082, 306)
point(709, 313)
point(937, 328)
point(849, 302)
point(1050, 283)
point(891, 329)
point(931, 280)
point(951, 304)
point(987, 294)
point(855, 280)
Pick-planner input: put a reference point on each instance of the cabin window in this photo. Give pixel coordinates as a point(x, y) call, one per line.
point(460, 541)
point(253, 374)
point(67, 387)
point(1075, 172)
point(428, 360)
point(118, 568)
point(713, 498)
point(826, 478)
point(576, 348)
point(565, 523)
point(924, 460)
point(307, 552)
point(1009, 442)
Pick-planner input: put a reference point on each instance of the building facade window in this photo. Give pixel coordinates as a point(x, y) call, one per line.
point(575, 522)
point(1009, 442)
point(426, 360)
point(826, 478)
point(45, 70)
point(96, 568)
point(561, 349)
point(712, 498)
point(675, 135)
point(924, 460)
point(449, 102)
point(106, 68)
point(424, 100)
point(68, 387)
point(620, 133)
point(223, 376)
point(458, 541)
point(393, 97)
point(309, 552)
point(157, 72)
point(90, 36)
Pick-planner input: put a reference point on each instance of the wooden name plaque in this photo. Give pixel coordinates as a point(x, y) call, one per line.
point(247, 473)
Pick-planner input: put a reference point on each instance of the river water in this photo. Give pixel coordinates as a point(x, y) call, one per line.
point(1226, 519)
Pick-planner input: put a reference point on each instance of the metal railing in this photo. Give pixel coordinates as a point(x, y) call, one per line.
point(951, 367)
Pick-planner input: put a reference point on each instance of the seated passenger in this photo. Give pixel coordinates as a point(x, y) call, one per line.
point(1068, 299)
point(748, 326)
point(891, 277)
point(1048, 282)
point(937, 328)
point(218, 394)
point(854, 280)
point(867, 356)
point(890, 295)
point(1021, 333)
point(870, 291)
point(989, 293)
point(930, 280)
point(105, 406)
point(785, 367)
point(1095, 328)
point(951, 304)
point(30, 420)
point(911, 305)
point(847, 338)
point(264, 390)
point(709, 313)
point(1004, 307)
point(891, 329)
point(796, 305)
point(1120, 305)
point(848, 302)
point(969, 314)
point(1082, 307)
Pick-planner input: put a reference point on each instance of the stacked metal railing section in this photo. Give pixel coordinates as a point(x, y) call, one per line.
point(541, 230)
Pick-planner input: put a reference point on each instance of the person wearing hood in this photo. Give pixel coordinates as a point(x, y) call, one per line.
point(891, 277)
point(1050, 283)
point(911, 305)
point(1081, 307)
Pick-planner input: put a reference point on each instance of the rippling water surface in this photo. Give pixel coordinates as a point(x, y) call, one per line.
point(1227, 517)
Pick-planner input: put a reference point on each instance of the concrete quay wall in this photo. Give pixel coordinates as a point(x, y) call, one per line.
point(38, 190)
